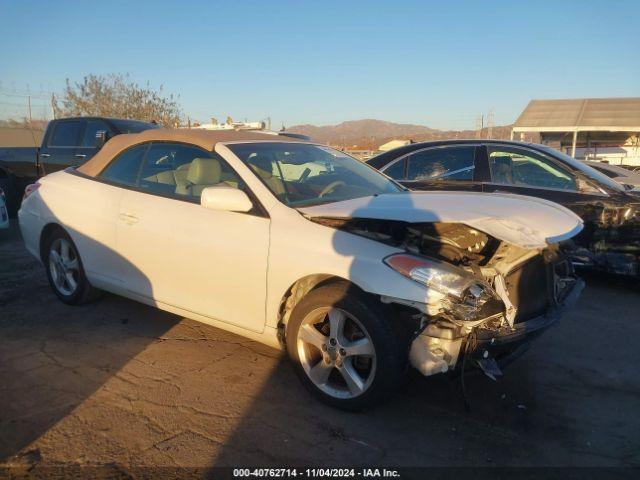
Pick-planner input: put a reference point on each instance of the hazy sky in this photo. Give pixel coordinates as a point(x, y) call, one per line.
point(439, 64)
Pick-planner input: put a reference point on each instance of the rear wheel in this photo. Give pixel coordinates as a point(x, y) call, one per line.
point(64, 270)
point(343, 348)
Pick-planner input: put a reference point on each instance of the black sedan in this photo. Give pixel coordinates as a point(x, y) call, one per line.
point(610, 240)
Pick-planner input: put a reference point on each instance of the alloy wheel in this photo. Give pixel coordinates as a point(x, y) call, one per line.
point(336, 352)
point(64, 266)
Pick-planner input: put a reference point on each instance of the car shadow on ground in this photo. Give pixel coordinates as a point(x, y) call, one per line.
point(53, 356)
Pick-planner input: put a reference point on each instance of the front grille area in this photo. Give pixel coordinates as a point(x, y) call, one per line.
point(531, 288)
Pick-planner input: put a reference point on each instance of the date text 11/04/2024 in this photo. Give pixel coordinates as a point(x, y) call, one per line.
point(315, 473)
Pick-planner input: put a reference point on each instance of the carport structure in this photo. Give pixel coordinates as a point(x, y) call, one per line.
point(585, 124)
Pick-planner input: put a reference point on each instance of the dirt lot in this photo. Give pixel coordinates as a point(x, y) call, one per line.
point(120, 383)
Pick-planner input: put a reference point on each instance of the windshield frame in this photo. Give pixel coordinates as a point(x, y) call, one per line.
point(231, 146)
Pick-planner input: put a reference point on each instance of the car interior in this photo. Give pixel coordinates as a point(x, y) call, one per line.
point(519, 170)
point(190, 178)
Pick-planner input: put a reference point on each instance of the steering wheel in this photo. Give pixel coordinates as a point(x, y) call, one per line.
point(331, 187)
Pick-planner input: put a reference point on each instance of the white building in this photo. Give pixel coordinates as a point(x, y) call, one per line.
point(604, 129)
point(385, 147)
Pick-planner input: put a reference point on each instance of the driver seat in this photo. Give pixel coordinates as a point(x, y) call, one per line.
point(263, 167)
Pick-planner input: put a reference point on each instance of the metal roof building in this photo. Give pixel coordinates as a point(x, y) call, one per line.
point(584, 123)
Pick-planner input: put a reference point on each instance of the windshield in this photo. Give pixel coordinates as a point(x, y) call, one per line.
point(583, 168)
point(301, 175)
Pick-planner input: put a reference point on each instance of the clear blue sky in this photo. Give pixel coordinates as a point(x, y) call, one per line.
point(432, 63)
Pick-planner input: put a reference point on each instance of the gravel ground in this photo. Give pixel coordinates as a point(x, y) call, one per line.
point(122, 384)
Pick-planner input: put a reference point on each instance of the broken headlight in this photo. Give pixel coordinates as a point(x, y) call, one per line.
point(467, 298)
point(440, 276)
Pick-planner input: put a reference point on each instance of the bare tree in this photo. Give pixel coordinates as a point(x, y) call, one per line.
point(115, 95)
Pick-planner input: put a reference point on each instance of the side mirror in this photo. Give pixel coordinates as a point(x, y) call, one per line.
point(101, 138)
point(227, 199)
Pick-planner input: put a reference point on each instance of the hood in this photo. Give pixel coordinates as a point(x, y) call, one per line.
point(524, 221)
point(634, 181)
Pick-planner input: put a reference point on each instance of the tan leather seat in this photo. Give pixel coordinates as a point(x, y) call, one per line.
point(180, 173)
point(263, 167)
point(166, 178)
point(202, 173)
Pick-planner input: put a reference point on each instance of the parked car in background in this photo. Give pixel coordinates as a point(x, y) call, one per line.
point(296, 244)
point(610, 240)
point(4, 213)
point(66, 142)
point(629, 179)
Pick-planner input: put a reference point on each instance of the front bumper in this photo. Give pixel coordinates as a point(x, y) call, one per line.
point(439, 349)
point(506, 344)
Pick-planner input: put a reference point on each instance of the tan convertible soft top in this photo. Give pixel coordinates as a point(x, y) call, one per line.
point(205, 139)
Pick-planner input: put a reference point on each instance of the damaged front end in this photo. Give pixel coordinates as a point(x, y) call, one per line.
point(610, 241)
point(486, 298)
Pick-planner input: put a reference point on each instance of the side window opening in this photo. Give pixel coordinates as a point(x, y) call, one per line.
point(185, 171)
point(442, 163)
point(520, 168)
point(396, 171)
point(66, 134)
point(89, 136)
point(124, 168)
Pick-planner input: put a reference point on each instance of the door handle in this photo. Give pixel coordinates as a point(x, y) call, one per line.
point(45, 155)
point(80, 155)
point(128, 218)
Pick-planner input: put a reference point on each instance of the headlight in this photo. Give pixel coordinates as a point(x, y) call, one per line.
point(440, 276)
point(467, 298)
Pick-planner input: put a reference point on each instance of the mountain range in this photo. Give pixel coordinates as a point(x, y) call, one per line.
point(369, 134)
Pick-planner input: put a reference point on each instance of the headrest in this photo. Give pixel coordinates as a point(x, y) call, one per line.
point(262, 165)
point(204, 171)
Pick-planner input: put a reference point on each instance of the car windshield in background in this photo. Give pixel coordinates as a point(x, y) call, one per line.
point(585, 169)
point(304, 174)
point(133, 126)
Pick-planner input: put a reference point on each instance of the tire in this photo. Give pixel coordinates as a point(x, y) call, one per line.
point(65, 271)
point(343, 348)
point(6, 184)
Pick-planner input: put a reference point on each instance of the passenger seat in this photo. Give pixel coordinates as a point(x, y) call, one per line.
point(202, 173)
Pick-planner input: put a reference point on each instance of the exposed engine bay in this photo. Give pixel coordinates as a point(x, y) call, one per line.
point(510, 291)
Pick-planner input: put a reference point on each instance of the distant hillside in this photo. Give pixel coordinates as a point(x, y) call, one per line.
point(370, 134)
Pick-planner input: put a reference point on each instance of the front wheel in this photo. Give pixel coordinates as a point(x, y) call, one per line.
point(343, 348)
point(64, 270)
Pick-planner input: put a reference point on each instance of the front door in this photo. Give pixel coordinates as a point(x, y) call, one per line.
point(525, 172)
point(213, 263)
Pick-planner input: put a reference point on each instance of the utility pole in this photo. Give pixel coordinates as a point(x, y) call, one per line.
point(490, 124)
point(479, 126)
point(53, 105)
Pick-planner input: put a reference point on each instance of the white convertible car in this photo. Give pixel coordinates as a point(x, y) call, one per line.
point(302, 247)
